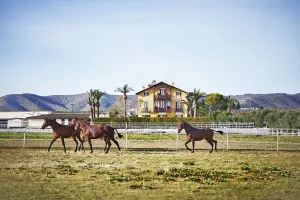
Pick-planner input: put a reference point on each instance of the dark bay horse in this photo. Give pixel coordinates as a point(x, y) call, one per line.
point(98, 131)
point(194, 134)
point(63, 131)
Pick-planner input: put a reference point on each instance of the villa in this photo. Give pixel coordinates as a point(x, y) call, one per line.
point(161, 100)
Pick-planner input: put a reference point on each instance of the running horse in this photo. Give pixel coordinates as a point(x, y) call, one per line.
point(97, 131)
point(63, 131)
point(194, 134)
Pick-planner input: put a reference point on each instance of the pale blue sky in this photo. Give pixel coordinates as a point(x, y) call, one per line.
point(225, 46)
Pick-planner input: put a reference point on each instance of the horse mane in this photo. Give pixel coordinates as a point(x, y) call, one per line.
point(188, 125)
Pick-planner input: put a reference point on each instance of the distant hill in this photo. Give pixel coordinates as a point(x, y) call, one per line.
point(27, 102)
point(275, 100)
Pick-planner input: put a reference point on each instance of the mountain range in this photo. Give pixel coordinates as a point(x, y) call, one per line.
point(63, 103)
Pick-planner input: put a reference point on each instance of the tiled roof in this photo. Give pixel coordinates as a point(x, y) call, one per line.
point(160, 84)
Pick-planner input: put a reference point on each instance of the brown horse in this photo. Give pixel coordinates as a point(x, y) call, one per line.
point(98, 131)
point(194, 134)
point(63, 131)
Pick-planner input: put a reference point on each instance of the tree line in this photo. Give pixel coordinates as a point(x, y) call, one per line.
point(201, 107)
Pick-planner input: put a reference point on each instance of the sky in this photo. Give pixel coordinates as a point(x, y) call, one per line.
point(232, 47)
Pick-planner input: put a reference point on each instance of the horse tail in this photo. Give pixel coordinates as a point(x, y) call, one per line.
point(221, 132)
point(119, 135)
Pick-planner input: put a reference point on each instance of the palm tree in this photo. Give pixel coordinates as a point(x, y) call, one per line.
point(92, 94)
point(189, 102)
point(124, 90)
point(97, 95)
point(91, 103)
point(196, 96)
point(230, 103)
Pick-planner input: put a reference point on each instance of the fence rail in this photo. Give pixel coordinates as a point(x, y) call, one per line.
point(164, 128)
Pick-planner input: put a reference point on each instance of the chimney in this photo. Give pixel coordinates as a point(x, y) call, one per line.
point(173, 84)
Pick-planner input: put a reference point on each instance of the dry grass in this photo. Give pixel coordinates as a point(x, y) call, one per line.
point(147, 173)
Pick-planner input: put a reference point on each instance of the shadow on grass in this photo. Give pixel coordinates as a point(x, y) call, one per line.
point(242, 151)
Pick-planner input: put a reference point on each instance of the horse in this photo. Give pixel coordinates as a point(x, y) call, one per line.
point(98, 131)
point(194, 134)
point(63, 131)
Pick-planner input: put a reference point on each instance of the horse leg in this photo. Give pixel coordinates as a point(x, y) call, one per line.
point(116, 142)
point(109, 144)
point(211, 144)
point(193, 144)
point(53, 140)
point(76, 143)
point(63, 143)
point(105, 140)
point(215, 141)
point(90, 143)
point(81, 143)
point(188, 141)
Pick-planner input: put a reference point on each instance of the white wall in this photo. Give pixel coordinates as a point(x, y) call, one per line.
point(21, 114)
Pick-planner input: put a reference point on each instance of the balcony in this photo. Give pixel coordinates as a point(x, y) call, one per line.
point(162, 110)
point(160, 97)
point(145, 111)
point(178, 109)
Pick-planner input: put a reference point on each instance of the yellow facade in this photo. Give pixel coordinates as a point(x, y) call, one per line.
point(160, 100)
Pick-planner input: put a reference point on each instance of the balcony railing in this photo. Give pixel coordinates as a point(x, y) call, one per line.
point(159, 97)
point(178, 110)
point(146, 110)
point(160, 110)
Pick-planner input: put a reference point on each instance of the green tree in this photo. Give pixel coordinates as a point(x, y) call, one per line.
point(97, 96)
point(221, 117)
point(124, 90)
point(288, 120)
point(259, 117)
point(231, 103)
point(272, 119)
point(214, 101)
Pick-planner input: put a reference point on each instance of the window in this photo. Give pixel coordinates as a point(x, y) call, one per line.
point(178, 93)
point(162, 91)
point(146, 104)
point(162, 104)
point(178, 104)
point(156, 104)
point(146, 93)
point(62, 121)
point(168, 104)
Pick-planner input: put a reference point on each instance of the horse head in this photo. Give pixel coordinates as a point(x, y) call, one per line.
point(79, 124)
point(74, 121)
point(181, 126)
point(46, 123)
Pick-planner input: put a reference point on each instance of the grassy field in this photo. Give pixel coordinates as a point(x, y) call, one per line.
point(142, 173)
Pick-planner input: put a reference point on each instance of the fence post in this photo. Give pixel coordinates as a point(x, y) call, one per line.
point(126, 135)
point(177, 136)
point(278, 131)
point(227, 138)
point(24, 140)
